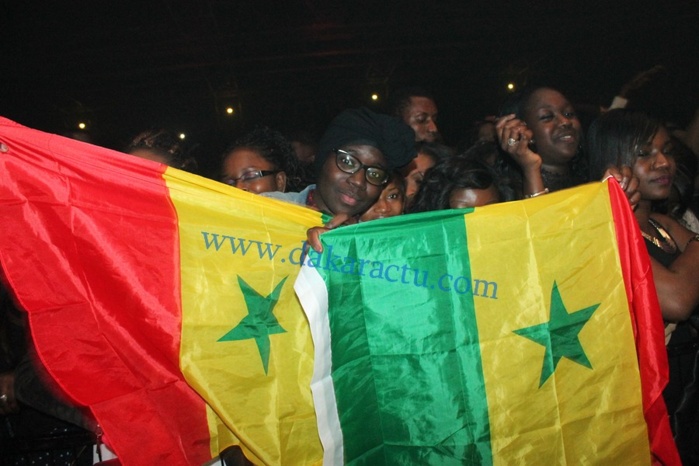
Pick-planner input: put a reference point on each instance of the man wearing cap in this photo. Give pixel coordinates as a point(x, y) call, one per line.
point(355, 157)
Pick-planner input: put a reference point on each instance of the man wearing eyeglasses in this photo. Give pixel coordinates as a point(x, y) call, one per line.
point(355, 156)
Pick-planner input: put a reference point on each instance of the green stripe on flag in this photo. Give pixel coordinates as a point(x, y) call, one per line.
point(406, 364)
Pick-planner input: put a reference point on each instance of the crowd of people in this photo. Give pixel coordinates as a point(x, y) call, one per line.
point(368, 166)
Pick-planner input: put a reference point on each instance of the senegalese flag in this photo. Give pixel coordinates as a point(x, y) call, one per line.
point(160, 300)
point(519, 333)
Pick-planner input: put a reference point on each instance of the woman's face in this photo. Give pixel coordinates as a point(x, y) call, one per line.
point(414, 173)
point(389, 204)
point(655, 166)
point(246, 169)
point(461, 198)
point(556, 127)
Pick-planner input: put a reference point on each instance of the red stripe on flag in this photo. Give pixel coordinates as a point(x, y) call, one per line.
point(648, 327)
point(89, 244)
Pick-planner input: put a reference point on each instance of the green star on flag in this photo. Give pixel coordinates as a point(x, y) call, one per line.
point(559, 335)
point(260, 322)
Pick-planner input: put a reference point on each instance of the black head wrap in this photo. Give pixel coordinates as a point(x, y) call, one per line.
point(391, 136)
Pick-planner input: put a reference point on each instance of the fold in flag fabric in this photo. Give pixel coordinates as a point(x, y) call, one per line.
point(160, 300)
point(522, 333)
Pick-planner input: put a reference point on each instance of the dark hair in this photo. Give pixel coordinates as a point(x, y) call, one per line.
point(434, 150)
point(303, 136)
point(453, 173)
point(162, 142)
point(517, 102)
point(400, 99)
point(482, 151)
point(683, 183)
point(615, 137)
point(273, 147)
point(397, 179)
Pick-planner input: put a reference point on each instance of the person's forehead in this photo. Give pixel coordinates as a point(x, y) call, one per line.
point(547, 98)
point(362, 150)
point(244, 155)
point(424, 104)
point(391, 187)
point(474, 196)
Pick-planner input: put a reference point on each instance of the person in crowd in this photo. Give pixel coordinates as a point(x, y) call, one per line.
point(484, 151)
point(626, 137)
point(162, 146)
point(545, 121)
point(428, 155)
point(355, 158)
point(305, 146)
point(480, 131)
point(417, 108)
point(457, 183)
point(391, 201)
point(261, 161)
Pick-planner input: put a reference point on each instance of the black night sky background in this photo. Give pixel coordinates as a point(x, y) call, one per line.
point(122, 67)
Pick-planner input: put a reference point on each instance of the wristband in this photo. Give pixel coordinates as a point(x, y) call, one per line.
point(693, 238)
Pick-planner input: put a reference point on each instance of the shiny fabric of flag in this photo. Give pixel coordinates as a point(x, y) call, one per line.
point(525, 332)
point(161, 301)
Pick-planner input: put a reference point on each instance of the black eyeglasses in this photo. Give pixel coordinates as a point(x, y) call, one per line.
point(249, 176)
point(348, 163)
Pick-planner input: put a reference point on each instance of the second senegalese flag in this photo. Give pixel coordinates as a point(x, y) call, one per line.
point(503, 335)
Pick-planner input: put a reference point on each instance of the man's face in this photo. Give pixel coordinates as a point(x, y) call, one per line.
point(421, 116)
point(349, 193)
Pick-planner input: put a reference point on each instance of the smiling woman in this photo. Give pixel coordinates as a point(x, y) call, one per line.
point(546, 122)
point(626, 137)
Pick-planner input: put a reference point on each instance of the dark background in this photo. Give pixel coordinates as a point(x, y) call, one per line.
point(123, 66)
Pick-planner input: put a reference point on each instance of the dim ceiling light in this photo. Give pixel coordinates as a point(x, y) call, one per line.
point(510, 86)
point(182, 135)
point(374, 97)
point(229, 110)
point(82, 125)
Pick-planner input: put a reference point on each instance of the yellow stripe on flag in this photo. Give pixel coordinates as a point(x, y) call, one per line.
point(247, 355)
point(533, 424)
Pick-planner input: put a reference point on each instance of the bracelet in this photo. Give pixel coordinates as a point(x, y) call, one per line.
point(529, 196)
point(693, 238)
